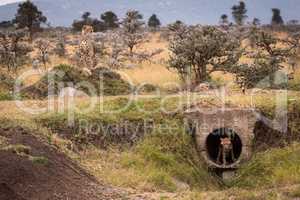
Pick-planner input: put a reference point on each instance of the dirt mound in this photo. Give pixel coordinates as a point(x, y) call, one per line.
point(31, 169)
point(6, 193)
point(101, 81)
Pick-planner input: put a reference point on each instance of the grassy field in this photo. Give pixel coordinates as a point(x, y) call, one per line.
point(164, 164)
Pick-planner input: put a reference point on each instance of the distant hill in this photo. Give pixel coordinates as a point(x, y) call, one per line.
point(63, 12)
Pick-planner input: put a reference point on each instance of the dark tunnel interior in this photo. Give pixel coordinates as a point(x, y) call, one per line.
point(216, 151)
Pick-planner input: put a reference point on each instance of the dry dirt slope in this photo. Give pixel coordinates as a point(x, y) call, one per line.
point(32, 170)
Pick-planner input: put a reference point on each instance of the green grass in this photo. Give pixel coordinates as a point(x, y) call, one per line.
point(273, 168)
point(5, 96)
point(39, 160)
point(164, 159)
point(18, 149)
point(294, 84)
point(294, 193)
point(171, 160)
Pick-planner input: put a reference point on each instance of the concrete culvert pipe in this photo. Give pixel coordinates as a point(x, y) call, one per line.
point(230, 129)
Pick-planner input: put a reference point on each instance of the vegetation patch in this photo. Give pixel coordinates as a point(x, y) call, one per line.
point(130, 122)
point(172, 162)
point(18, 149)
point(5, 96)
point(6, 86)
point(294, 192)
point(266, 137)
point(162, 147)
point(39, 160)
point(6, 82)
point(273, 168)
point(102, 81)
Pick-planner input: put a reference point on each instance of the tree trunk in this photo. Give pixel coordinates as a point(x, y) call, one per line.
point(30, 37)
point(131, 51)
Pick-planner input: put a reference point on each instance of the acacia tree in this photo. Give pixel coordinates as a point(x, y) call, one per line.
point(239, 13)
point(110, 20)
point(86, 19)
point(132, 29)
point(178, 29)
point(201, 51)
point(256, 22)
point(224, 20)
point(269, 55)
point(30, 17)
point(14, 49)
point(154, 22)
point(293, 22)
point(276, 18)
point(6, 24)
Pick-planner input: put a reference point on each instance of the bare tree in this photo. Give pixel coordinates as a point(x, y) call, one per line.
point(117, 53)
point(239, 13)
point(268, 55)
point(132, 29)
point(44, 48)
point(30, 17)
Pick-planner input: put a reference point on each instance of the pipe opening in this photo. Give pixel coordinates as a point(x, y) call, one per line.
point(224, 147)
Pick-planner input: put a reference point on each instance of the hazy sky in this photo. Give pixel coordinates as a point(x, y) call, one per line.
point(189, 11)
point(2, 2)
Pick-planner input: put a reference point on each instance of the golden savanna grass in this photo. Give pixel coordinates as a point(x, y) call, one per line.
point(111, 165)
point(155, 72)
